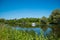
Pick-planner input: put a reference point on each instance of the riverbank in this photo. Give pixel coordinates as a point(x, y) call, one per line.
point(7, 33)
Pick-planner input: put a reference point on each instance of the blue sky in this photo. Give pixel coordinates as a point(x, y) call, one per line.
point(10, 9)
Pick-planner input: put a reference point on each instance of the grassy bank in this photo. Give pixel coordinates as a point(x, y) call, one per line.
point(7, 33)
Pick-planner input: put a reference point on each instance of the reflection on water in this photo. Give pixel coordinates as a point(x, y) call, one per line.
point(36, 30)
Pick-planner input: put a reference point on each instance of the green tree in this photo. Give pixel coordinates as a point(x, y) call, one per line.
point(2, 20)
point(55, 21)
point(43, 23)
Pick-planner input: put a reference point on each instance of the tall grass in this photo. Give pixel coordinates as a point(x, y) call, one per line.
point(7, 33)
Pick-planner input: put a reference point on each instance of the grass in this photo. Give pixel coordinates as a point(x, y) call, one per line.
point(7, 33)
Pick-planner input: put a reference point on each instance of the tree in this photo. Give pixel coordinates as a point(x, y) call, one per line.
point(2, 20)
point(43, 23)
point(55, 21)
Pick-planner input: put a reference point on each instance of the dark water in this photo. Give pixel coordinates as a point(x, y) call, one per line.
point(36, 30)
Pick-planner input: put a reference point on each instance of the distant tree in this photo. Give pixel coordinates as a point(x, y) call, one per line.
point(2, 20)
point(43, 23)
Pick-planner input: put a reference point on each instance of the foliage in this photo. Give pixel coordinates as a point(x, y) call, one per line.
point(7, 33)
point(55, 21)
point(55, 16)
point(21, 22)
point(43, 23)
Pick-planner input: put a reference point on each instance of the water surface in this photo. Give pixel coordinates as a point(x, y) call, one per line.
point(36, 30)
